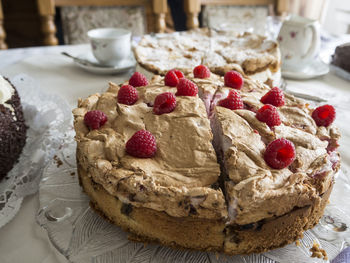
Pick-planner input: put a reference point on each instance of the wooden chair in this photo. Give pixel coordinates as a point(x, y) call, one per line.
point(2, 30)
point(193, 7)
point(155, 13)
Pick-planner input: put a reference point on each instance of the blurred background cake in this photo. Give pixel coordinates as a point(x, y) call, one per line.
point(341, 57)
point(12, 127)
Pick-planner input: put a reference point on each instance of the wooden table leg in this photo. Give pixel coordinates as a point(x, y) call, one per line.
point(2, 30)
point(48, 28)
point(192, 9)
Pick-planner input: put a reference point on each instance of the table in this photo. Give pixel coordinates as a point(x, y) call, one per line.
point(22, 240)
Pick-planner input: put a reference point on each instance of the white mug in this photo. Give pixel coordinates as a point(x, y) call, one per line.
point(299, 40)
point(110, 46)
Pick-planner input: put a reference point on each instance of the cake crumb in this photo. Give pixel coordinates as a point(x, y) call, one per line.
point(297, 243)
point(58, 161)
point(318, 252)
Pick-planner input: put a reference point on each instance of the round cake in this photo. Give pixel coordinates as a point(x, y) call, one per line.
point(221, 51)
point(206, 162)
point(12, 127)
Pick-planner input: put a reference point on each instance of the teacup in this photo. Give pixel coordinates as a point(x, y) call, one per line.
point(110, 46)
point(299, 40)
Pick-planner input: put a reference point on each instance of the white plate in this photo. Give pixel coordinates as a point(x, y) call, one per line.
point(315, 69)
point(128, 64)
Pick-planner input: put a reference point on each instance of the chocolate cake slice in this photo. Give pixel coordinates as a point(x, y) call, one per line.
point(12, 127)
point(341, 57)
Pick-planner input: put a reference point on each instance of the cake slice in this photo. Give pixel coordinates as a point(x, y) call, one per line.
point(177, 185)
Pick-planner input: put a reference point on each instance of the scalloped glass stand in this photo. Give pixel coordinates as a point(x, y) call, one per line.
point(83, 236)
point(47, 116)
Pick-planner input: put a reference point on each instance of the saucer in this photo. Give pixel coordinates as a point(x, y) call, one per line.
point(97, 68)
point(314, 69)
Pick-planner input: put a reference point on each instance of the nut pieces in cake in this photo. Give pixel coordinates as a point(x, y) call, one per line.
point(172, 77)
point(95, 119)
point(128, 95)
point(164, 103)
point(142, 144)
point(324, 115)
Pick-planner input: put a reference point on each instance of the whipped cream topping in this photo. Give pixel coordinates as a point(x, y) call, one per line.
point(6, 92)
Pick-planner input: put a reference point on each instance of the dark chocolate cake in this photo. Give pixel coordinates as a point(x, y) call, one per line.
point(341, 57)
point(12, 127)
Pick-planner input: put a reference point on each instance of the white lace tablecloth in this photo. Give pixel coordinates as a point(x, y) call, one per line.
point(22, 240)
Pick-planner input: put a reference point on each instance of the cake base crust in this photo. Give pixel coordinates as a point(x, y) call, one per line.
point(147, 225)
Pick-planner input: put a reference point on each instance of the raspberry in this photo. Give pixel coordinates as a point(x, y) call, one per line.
point(233, 101)
point(186, 88)
point(127, 94)
point(138, 80)
point(95, 119)
point(201, 72)
point(164, 103)
point(233, 79)
point(142, 144)
point(274, 97)
point(324, 115)
point(269, 115)
point(172, 77)
point(279, 153)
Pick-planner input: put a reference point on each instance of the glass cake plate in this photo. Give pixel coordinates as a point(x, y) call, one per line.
point(81, 235)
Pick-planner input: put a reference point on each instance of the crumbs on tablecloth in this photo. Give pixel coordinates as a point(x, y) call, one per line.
point(297, 243)
point(58, 161)
point(318, 252)
point(72, 173)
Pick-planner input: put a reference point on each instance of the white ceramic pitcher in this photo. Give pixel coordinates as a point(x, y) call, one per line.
point(299, 40)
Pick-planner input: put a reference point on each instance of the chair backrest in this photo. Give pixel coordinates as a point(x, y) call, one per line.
point(155, 11)
point(2, 30)
point(193, 7)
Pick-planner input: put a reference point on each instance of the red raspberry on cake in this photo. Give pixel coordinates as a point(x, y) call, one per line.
point(142, 144)
point(279, 153)
point(274, 97)
point(269, 114)
point(138, 80)
point(324, 115)
point(233, 101)
point(233, 79)
point(128, 95)
point(95, 119)
point(172, 77)
point(164, 103)
point(201, 72)
point(186, 88)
